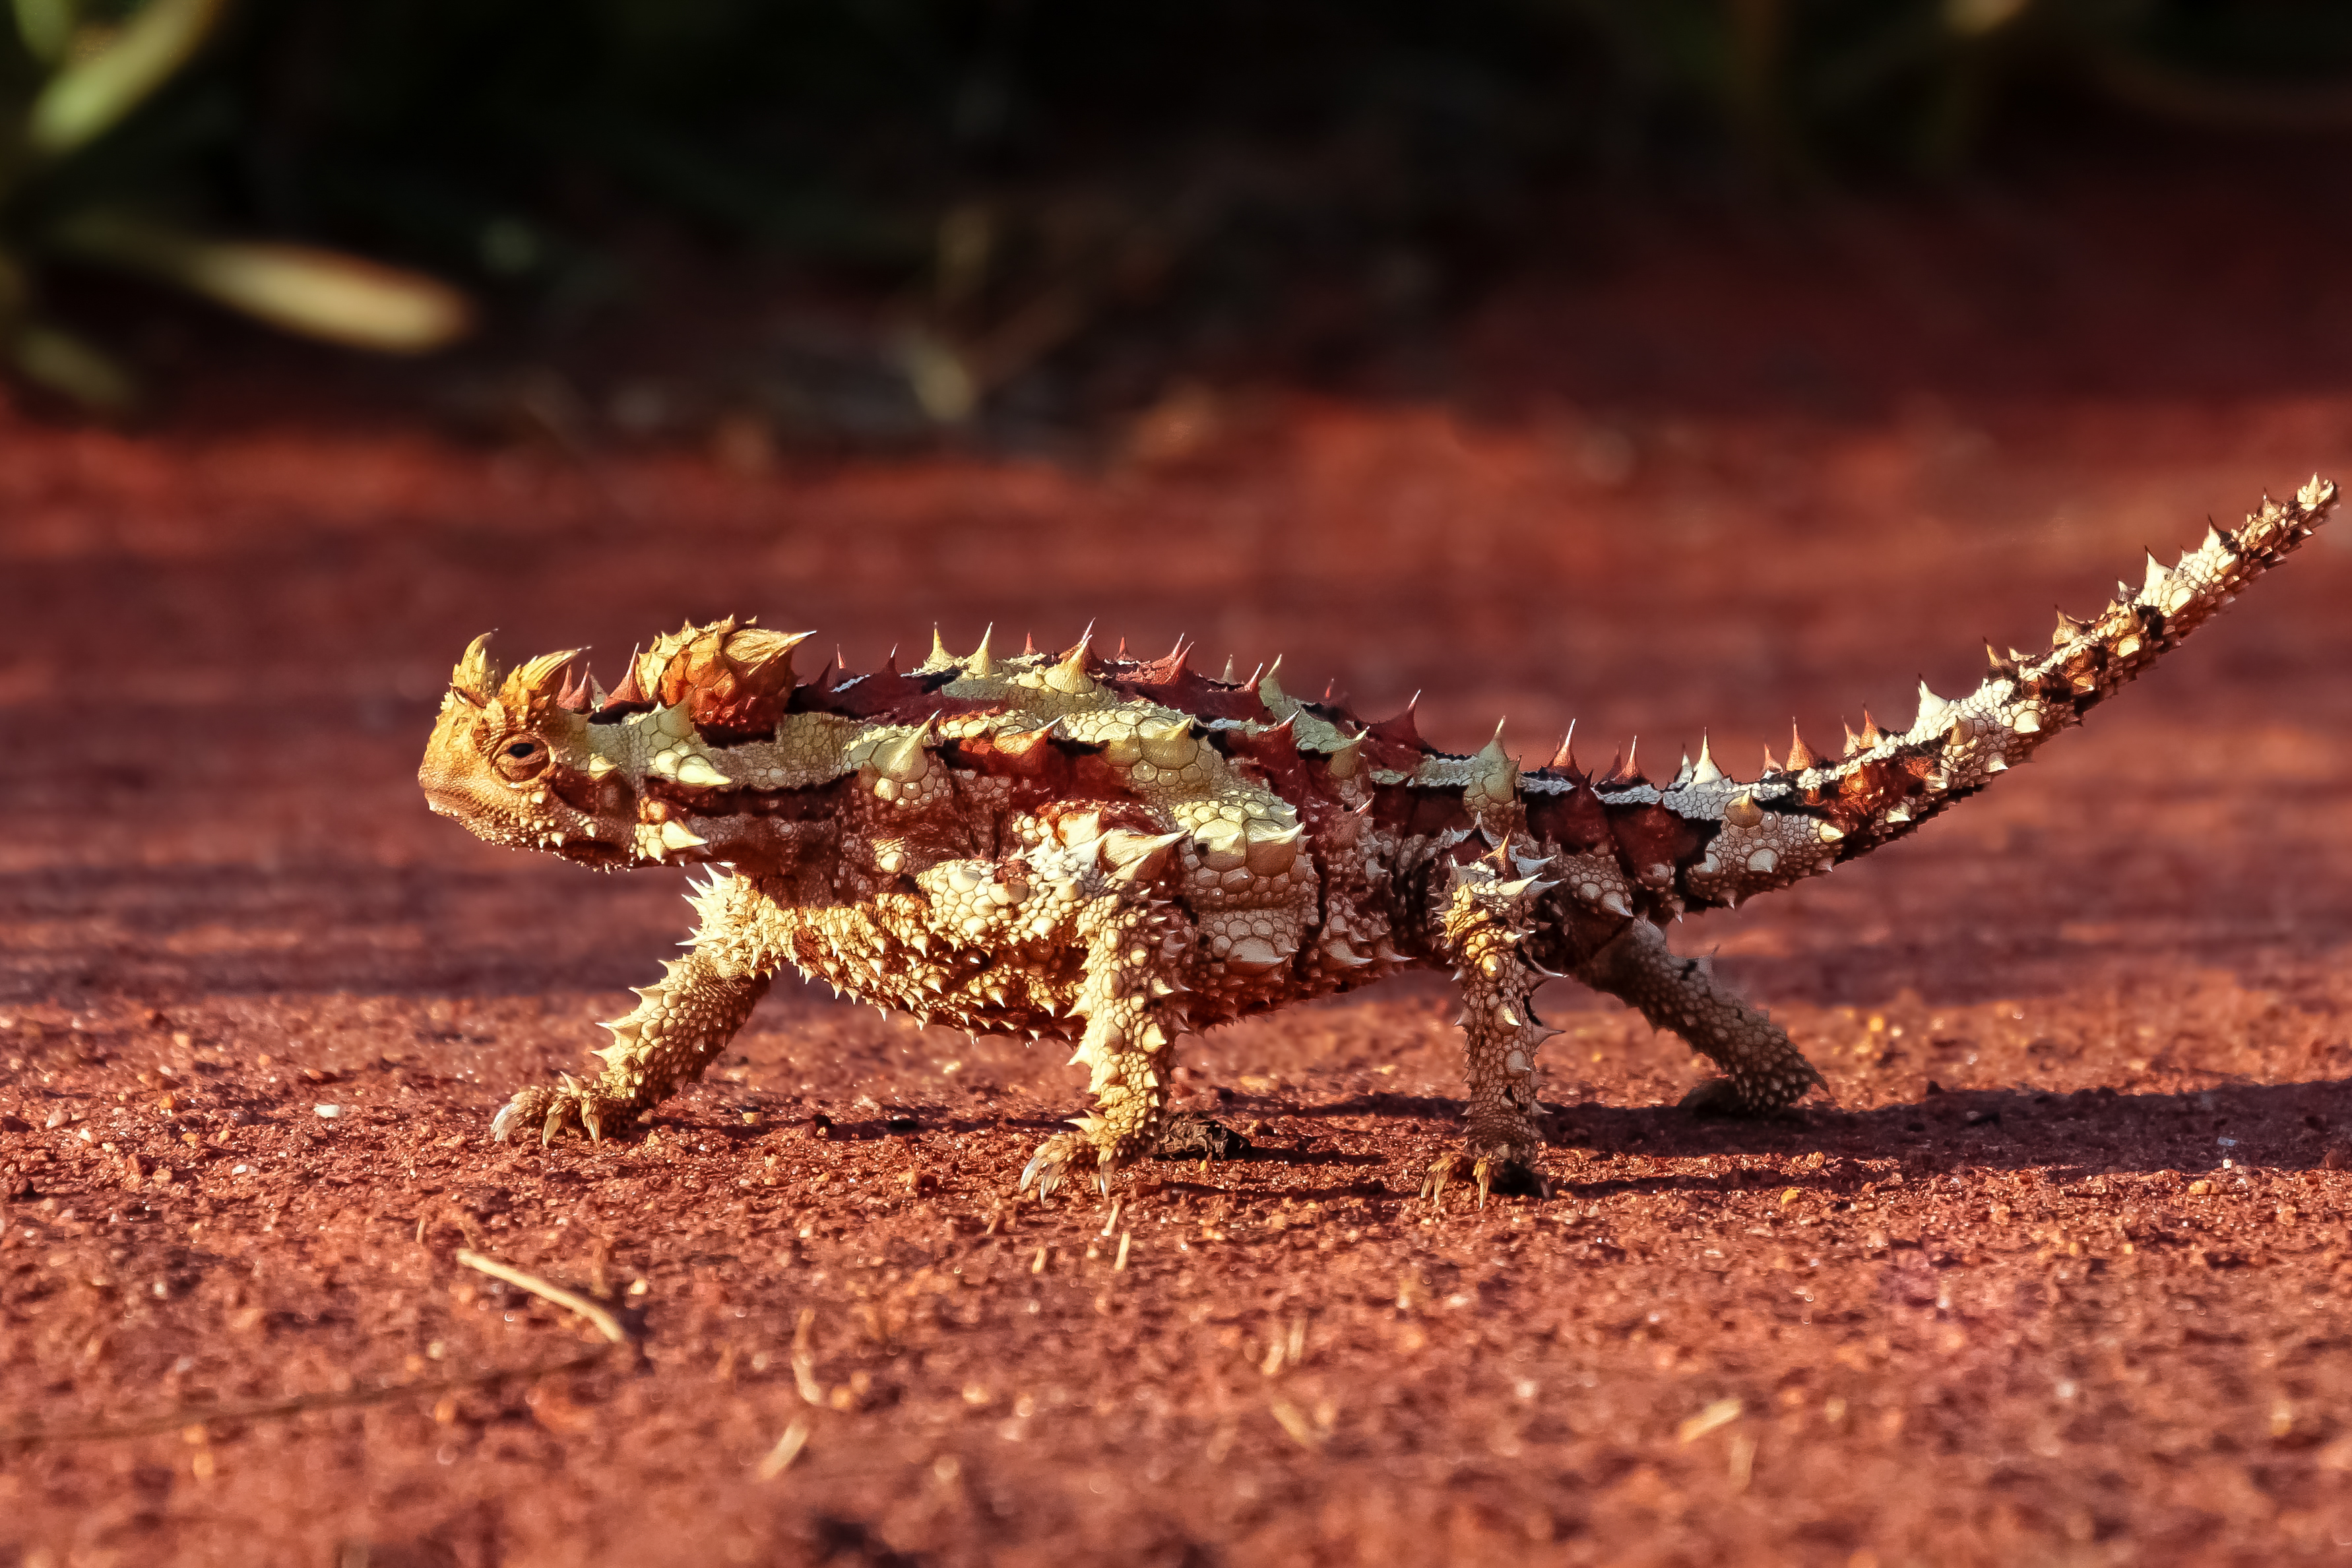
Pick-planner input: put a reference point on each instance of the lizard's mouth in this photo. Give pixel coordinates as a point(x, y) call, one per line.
point(494, 819)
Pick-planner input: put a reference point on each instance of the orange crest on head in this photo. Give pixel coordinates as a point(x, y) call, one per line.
point(734, 677)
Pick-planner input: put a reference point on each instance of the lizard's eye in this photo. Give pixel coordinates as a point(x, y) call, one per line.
point(522, 757)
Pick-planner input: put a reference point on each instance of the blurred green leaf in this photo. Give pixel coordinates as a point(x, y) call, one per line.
point(92, 96)
point(46, 27)
point(318, 293)
point(50, 357)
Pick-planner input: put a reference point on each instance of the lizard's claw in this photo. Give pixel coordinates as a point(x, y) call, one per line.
point(1442, 1170)
point(1493, 1170)
point(528, 1106)
point(1065, 1156)
point(555, 1111)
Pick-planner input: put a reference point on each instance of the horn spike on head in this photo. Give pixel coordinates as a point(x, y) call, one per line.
point(534, 683)
point(1800, 756)
point(629, 693)
point(475, 678)
point(580, 695)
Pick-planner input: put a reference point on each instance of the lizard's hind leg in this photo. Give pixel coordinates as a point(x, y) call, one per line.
point(1484, 923)
point(1763, 1069)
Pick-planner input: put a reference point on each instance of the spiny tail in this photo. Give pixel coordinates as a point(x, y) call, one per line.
point(1801, 819)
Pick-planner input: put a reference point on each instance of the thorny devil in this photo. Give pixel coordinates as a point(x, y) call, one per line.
point(1113, 852)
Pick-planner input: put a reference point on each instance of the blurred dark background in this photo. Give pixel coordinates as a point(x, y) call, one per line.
point(1020, 214)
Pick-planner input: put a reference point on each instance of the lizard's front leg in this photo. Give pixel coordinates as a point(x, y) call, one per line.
point(1763, 1069)
point(680, 1022)
point(1485, 922)
point(1137, 952)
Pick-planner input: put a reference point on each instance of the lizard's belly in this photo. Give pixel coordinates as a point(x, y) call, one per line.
point(1016, 963)
point(889, 956)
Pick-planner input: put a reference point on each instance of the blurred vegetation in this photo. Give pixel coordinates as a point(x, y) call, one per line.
point(94, 154)
point(1018, 167)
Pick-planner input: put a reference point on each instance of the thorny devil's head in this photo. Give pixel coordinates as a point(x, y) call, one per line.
point(536, 760)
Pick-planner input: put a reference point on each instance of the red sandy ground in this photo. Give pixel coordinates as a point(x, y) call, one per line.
point(2064, 1277)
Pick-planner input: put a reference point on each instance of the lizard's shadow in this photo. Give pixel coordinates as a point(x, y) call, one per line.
point(2089, 1132)
point(2080, 1136)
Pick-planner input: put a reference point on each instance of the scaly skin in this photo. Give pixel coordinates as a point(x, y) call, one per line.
point(1113, 852)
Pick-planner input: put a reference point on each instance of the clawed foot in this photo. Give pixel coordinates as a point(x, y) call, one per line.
point(1496, 1170)
point(552, 1110)
point(1065, 1156)
point(1189, 1137)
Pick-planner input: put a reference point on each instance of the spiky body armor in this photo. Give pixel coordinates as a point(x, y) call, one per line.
point(1113, 853)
